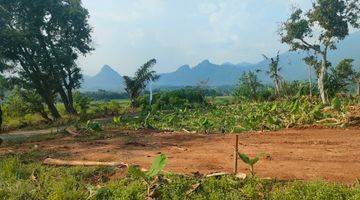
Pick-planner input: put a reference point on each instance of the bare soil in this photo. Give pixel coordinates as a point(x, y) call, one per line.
point(307, 154)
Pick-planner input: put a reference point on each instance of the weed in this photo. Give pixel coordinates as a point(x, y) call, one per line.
point(249, 161)
point(151, 177)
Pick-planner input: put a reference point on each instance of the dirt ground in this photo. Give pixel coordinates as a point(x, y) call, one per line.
point(309, 154)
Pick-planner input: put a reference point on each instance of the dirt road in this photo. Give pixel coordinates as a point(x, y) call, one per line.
point(329, 154)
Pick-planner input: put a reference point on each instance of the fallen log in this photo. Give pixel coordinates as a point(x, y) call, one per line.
point(50, 161)
point(217, 174)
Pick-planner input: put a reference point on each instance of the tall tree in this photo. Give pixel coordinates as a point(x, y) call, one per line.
point(135, 85)
point(43, 38)
point(274, 72)
point(248, 86)
point(319, 30)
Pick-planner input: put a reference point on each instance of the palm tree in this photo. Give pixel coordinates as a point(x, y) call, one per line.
point(274, 72)
point(135, 85)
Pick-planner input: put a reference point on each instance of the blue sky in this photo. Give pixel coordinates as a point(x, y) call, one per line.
point(127, 33)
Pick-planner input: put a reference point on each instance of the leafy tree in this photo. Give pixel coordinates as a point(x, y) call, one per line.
point(105, 95)
point(82, 101)
point(34, 103)
point(274, 72)
point(43, 38)
point(248, 86)
point(319, 30)
point(15, 105)
point(135, 85)
point(340, 77)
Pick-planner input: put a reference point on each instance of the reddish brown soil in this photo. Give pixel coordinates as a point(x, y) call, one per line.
point(329, 154)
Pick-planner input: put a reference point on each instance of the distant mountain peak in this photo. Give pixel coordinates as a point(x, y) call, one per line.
point(205, 62)
point(107, 68)
point(107, 79)
point(183, 68)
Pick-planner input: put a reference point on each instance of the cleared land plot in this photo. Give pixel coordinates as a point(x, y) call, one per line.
point(309, 154)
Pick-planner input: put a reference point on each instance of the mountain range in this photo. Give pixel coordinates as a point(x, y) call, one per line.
point(292, 64)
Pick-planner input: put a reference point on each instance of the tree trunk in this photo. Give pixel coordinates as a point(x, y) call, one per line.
point(277, 86)
point(254, 94)
point(310, 81)
point(45, 116)
point(1, 117)
point(52, 108)
point(71, 101)
point(134, 103)
point(65, 99)
point(321, 80)
point(358, 88)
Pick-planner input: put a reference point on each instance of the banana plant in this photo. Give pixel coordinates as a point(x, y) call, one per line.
point(152, 177)
point(249, 161)
point(117, 120)
point(93, 126)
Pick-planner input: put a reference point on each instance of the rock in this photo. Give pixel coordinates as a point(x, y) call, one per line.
point(241, 175)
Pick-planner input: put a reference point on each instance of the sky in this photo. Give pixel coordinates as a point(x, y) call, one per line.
point(128, 33)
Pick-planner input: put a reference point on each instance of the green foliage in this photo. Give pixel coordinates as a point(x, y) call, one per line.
point(313, 190)
point(54, 34)
point(318, 30)
point(14, 105)
point(23, 177)
point(274, 72)
point(116, 120)
point(157, 166)
point(341, 77)
point(134, 86)
point(103, 95)
point(93, 126)
point(244, 116)
point(82, 101)
point(177, 99)
point(151, 177)
point(249, 161)
point(248, 86)
point(336, 104)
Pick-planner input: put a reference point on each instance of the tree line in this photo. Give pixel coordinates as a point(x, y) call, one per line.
point(41, 40)
point(316, 31)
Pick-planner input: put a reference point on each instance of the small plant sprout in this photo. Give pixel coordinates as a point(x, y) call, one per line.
point(152, 177)
point(93, 126)
point(117, 120)
point(249, 161)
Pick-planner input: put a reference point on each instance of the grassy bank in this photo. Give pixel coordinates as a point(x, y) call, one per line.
point(24, 177)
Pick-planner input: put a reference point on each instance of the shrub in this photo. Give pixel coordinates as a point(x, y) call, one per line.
point(183, 98)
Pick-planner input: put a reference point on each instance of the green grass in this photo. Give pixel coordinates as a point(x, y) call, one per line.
point(97, 109)
point(23, 177)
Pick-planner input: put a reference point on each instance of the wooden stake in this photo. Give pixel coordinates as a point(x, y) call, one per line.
point(235, 154)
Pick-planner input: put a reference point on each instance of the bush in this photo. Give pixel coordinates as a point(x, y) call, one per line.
point(183, 98)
